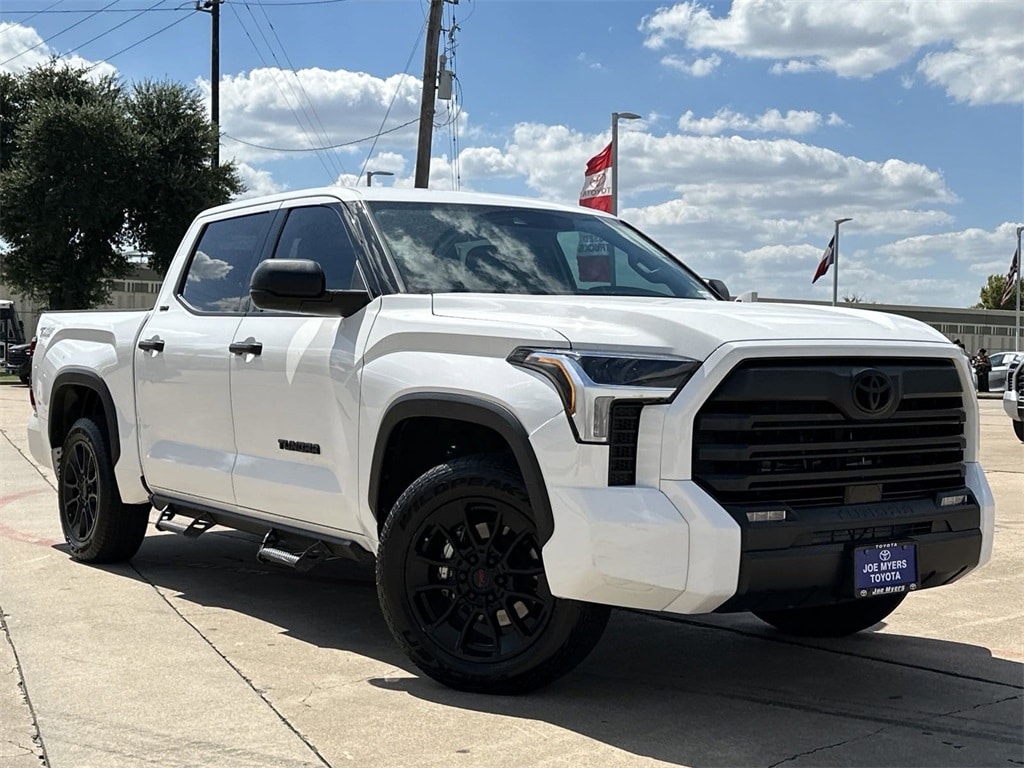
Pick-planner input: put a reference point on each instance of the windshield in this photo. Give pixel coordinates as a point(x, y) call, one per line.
point(444, 247)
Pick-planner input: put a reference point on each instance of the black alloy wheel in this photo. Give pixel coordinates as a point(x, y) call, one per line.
point(462, 585)
point(80, 486)
point(474, 579)
point(98, 527)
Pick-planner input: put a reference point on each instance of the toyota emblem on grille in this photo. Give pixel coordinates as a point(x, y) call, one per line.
point(872, 392)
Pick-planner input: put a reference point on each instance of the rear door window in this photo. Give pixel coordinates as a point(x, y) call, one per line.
point(221, 267)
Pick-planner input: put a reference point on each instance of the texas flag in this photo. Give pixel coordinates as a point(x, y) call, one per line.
point(597, 186)
point(827, 259)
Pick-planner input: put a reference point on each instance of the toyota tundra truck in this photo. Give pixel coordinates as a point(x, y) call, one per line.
point(523, 413)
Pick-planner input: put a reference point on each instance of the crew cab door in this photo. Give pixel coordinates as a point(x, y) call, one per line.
point(295, 386)
point(183, 364)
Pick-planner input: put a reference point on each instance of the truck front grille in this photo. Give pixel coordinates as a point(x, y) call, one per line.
point(807, 433)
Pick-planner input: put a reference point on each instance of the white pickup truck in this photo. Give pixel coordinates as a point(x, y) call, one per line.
point(526, 413)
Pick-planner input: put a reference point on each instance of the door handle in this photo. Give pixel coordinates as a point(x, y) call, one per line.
point(152, 345)
point(246, 348)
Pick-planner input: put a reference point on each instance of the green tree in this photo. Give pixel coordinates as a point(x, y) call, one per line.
point(992, 292)
point(63, 195)
point(856, 298)
point(87, 170)
point(174, 143)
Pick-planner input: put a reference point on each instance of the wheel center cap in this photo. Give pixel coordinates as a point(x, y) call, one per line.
point(480, 578)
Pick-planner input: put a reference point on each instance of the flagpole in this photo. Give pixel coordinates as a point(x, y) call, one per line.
point(616, 116)
point(835, 263)
point(1017, 277)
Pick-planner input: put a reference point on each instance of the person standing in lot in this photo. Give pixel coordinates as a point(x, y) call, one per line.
point(982, 367)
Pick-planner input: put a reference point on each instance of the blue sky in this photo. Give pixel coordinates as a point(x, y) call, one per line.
point(763, 120)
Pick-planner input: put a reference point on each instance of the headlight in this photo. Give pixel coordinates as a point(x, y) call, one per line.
point(589, 382)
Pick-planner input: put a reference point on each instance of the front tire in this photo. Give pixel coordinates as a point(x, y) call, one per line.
point(462, 585)
point(98, 527)
point(1018, 429)
point(837, 620)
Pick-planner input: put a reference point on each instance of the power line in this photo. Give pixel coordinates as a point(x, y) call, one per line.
point(318, 149)
point(290, 4)
point(331, 172)
point(107, 9)
point(387, 113)
point(58, 34)
point(284, 96)
point(309, 101)
point(174, 23)
point(32, 14)
point(116, 26)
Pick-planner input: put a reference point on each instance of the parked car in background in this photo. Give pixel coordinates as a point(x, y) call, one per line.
point(1001, 361)
point(19, 361)
point(1013, 396)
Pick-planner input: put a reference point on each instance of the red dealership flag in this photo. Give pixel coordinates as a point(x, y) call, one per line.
point(827, 259)
point(1012, 278)
point(597, 186)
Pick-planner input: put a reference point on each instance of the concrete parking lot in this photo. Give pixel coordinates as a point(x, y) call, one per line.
point(196, 655)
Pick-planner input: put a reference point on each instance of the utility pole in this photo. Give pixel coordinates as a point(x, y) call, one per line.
point(213, 8)
point(426, 135)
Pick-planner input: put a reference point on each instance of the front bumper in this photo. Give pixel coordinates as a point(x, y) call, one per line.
point(1011, 404)
point(675, 549)
point(808, 563)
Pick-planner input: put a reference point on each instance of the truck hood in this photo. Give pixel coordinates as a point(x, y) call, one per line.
point(688, 326)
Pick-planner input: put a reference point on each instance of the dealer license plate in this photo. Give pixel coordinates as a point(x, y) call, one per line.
point(884, 569)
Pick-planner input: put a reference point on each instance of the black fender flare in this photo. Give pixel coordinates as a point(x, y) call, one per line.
point(83, 377)
point(475, 411)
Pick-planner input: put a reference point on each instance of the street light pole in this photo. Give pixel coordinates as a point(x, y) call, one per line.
point(616, 116)
point(371, 174)
point(835, 262)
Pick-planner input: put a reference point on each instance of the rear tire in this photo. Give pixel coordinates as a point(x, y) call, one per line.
point(26, 380)
point(462, 585)
point(98, 527)
point(837, 620)
point(1018, 429)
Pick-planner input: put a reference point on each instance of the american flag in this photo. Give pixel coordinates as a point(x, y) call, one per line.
point(1012, 277)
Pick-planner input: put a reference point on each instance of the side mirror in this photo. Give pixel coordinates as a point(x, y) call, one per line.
point(719, 287)
point(297, 285)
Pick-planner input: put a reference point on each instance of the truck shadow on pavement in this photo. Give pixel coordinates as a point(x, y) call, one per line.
point(687, 691)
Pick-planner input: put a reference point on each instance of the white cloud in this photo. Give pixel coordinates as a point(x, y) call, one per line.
point(441, 175)
point(771, 121)
point(16, 39)
point(482, 162)
point(986, 252)
point(583, 58)
point(974, 50)
point(257, 182)
point(755, 212)
point(695, 68)
point(792, 67)
point(268, 107)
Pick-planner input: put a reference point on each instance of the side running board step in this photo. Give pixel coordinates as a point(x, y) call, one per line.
point(274, 550)
point(172, 523)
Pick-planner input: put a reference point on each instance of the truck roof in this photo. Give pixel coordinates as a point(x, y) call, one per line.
point(402, 194)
